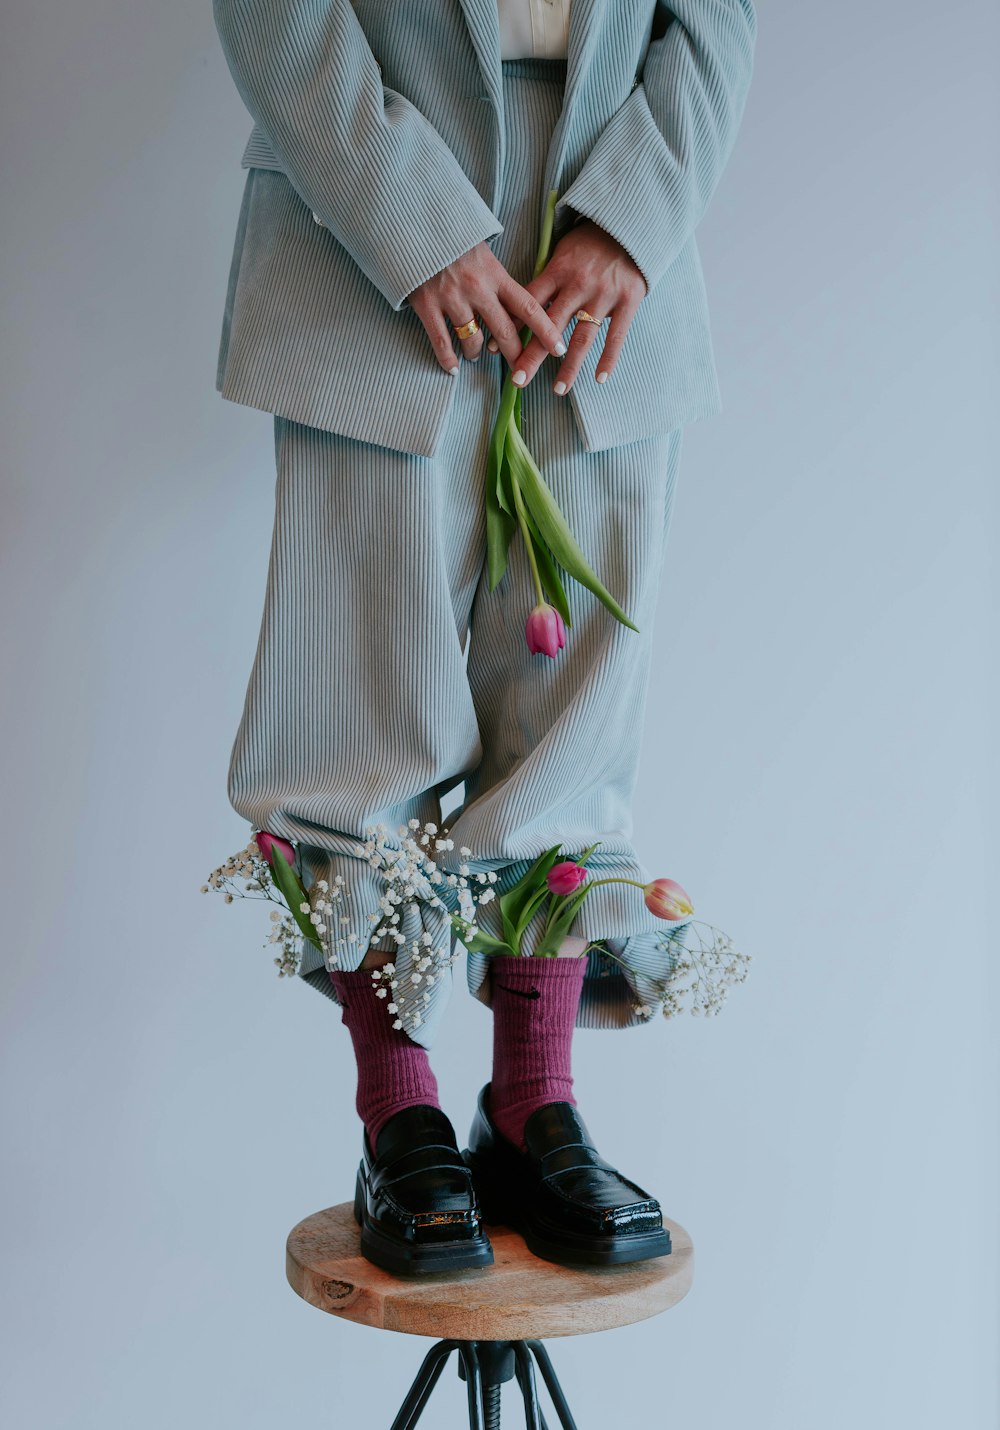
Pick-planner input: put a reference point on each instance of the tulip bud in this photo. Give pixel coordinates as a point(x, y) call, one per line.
point(545, 631)
point(667, 900)
point(566, 877)
point(266, 843)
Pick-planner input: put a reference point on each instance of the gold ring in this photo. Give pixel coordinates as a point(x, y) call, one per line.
point(467, 329)
point(586, 317)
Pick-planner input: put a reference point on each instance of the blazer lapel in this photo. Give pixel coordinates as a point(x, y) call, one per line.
point(482, 18)
point(483, 21)
point(584, 27)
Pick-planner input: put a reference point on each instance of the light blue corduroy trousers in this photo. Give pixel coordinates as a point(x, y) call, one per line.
point(386, 673)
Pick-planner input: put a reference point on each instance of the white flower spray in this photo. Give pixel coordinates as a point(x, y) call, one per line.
point(701, 964)
point(412, 874)
point(701, 969)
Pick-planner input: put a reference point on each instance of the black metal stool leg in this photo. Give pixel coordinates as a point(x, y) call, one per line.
point(426, 1379)
point(552, 1384)
point(474, 1383)
point(541, 1412)
point(526, 1379)
point(485, 1366)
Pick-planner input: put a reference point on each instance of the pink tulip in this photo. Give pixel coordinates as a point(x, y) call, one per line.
point(564, 878)
point(667, 900)
point(268, 842)
point(545, 631)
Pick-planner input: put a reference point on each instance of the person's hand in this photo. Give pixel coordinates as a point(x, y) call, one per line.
point(478, 285)
point(586, 269)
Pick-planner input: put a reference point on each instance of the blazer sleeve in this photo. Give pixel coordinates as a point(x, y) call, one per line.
point(365, 160)
point(648, 179)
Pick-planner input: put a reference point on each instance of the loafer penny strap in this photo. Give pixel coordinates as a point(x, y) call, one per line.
point(425, 1158)
point(570, 1158)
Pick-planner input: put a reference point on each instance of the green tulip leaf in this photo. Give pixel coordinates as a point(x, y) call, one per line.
point(504, 493)
point(581, 859)
point(528, 912)
point(561, 915)
point(554, 527)
point(501, 522)
point(515, 896)
point(498, 437)
point(481, 942)
point(548, 571)
point(500, 528)
point(289, 886)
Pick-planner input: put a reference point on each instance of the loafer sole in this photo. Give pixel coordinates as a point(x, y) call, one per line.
point(561, 1244)
point(417, 1260)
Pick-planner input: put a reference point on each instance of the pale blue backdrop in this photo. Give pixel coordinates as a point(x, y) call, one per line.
point(817, 771)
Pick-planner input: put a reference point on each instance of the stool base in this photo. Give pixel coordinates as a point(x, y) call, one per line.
point(485, 1366)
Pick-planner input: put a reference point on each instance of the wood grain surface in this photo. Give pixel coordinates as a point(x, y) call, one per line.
point(520, 1297)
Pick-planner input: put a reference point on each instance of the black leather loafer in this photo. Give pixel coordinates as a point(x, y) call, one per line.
point(415, 1200)
point(567, 1202)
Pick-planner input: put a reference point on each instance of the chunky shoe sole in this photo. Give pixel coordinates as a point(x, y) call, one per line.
point(428, 1258)
point(557, 1243)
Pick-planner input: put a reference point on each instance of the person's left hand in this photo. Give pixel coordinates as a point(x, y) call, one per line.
point(588, 269)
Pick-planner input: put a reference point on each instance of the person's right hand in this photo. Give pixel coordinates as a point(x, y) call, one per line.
point(478, 285)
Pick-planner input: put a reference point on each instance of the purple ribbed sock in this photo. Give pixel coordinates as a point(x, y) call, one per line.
point(535, 1001)
point(393, 1071)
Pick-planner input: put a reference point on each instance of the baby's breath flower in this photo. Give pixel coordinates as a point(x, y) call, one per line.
point(701, 968)
point(700, 972)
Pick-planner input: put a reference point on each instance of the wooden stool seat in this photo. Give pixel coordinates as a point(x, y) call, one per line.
point(519, 1298)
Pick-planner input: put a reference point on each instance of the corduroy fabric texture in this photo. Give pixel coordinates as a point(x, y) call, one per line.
point(534, 1014)
point(386, 672)
point(379, 154)
point(393, 1071)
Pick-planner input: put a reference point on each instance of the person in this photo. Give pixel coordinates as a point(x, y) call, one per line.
point(399, 166)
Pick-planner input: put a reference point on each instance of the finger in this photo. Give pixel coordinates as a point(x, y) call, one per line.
point(544, 288)
point(582, 340)
point(471, 346)
point(614, 340)
point(528, 311)
point(504, 329)
point(442, 341)
point(534, 352)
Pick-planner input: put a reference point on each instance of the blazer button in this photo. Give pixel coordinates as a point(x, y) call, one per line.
point(318, 220)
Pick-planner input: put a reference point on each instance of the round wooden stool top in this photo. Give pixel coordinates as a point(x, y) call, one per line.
point(520, 1297)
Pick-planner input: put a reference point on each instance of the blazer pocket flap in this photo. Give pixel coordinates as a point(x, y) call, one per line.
point(258, 153)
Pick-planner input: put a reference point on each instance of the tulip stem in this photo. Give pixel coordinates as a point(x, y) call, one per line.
point(593, 883)
point(526, 534)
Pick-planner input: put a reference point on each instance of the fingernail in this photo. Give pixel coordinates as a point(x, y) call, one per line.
point(560, 387)
point(602, 377)
point(560, 348)
point(493, 345)
point(518, 378)
point(453, 371)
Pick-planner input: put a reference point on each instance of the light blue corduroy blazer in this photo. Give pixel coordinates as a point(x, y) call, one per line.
point(376, 159)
